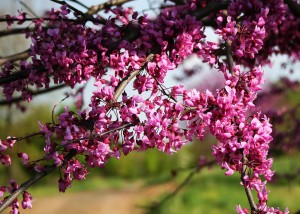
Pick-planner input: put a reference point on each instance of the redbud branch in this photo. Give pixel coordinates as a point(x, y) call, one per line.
point(79, 3)
point(13, 77)
point(14, 57)
point(40, 18)
point(31, 181)
point(47, 170)
point(133, 34)
point(247, 189)
point(179, 187)
point(25, 186)
point(229, 56)
point(26, 137)
point(85, 16)
point(251, 201)
point(16, 31)
point(34, 93)
point(211, 7)
point(103, 133)
point(28, 8)
point(13, 31)
point(163, 90)
point(126, 80)
point(71, 154)
point(96, 8)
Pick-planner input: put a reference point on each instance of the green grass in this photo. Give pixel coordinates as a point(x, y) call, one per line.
point(212, 192)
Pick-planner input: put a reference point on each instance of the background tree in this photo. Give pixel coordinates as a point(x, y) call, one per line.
point(112, 46)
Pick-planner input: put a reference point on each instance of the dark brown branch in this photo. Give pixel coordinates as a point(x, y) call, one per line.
point(14, 57)
point(33, 19)
point(85, 17)
point(211, 7)
point(294, 7)
point(26, 137)
point(247, 189)
point(250, 198)
point(34, 93)
point(179, 187)
point(28, 8)
point(13, 77)
point(79, 3)
point(230, 61)
point(25, 186)
point(47, 171)
point(13, 31)
point(108, 4)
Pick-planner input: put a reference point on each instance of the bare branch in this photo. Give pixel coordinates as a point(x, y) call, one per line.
point(179, 187)
point(41, 18)
point(28, 8)
point(229, 56)
point(13, 77)
point(79, 3)
point(127, 79)
point(13, 31)
point(211, 7)
point(46, 171)
point(247, 189)
point(34, 93)
point(14, 57)
point(26, 137)
point(95, 9)
point(85, 17)
point(25, 186)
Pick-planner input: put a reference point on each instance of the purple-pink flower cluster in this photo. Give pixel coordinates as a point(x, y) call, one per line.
point(66, 51)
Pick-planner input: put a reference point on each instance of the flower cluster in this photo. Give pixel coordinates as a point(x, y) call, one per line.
point(131, 46)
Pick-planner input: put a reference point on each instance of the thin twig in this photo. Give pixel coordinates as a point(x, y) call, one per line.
point(108, 4)
point(85, 17)
point(79, 3)
point(247, 189)
point(28, 8)
point(179, 187)
point(25, 137)
point(211, 7)
point(53, 109)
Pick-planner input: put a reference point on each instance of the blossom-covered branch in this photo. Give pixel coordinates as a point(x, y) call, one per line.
point(129, 46)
